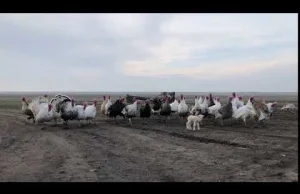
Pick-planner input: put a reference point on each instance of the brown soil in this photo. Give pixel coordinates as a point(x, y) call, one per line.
point(148, 150)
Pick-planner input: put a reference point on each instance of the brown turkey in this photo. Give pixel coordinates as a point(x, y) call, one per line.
point(226, 111)
point(166, 109)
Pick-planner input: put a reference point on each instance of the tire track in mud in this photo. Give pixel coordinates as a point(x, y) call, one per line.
point(257, 133)
point(108, 162)
point(194, 138)
point(47, 157)
point(71, 159)
point(40, 155)
point(218, 162)
point(211, 140)
point(8, 115)
point(163, 168)
point(186, 136)
point(198, 139)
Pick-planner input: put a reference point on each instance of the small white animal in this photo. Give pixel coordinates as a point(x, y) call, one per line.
point(289, 107)
point(195, 120)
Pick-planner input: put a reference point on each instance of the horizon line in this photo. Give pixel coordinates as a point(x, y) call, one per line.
point(145, 91)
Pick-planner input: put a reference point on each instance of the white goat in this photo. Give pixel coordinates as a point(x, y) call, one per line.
point(195, 120)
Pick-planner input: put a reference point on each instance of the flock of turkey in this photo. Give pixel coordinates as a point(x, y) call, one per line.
point(41, 110)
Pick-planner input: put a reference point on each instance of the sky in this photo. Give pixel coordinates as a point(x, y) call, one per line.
point(149, 52)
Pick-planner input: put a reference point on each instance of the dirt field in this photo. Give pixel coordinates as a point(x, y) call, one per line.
point(151, 151)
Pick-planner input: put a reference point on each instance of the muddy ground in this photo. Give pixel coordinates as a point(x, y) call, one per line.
point(148, 150)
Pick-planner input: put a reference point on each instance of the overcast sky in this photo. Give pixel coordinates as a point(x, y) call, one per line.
point(149, 52)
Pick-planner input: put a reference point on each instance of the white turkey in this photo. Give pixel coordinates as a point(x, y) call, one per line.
point(246, 111)
point(91, 111)
point(261, 109)
point(102, 109)
point(174, 106)
point(204, 106)
point(271, 107)
point(215, 100)
point(239, 102)
point(183, 109)
point(45, 114)
point(235, 98)
point(213, 109)
point(81, 112)
point(130, 111)
point(108, 105)
point(42, 110)
point(200, 100)
point(196, 106)
point(34, 105)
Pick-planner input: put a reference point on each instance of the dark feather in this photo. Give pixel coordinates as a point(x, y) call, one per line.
point(157, 104)
point(145, 111)
point(184, 114)
point(166, 109)
point(116, 109)
point(204, 112)
point(226, 111)
point(66, 115)
point(211, 101)
point(28, 112)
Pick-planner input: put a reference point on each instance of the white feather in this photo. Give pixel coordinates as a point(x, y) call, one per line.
point(56, 113)
point(204, 105)
point(43, 114)
point(289, 106)
point(91, 111)
point(81, 112)
point(213, 109)
point(183, 107)
point(245, 111)
point(200, 100)
point(131, 109)
point(174, 106)
point(102, 108)
point(34, 105)
point(108, 105)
